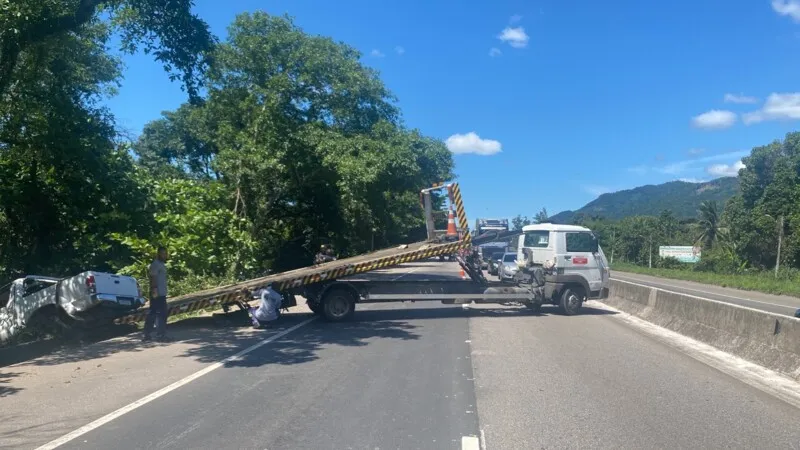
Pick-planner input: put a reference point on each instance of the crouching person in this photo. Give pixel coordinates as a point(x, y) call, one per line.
point(268, 309)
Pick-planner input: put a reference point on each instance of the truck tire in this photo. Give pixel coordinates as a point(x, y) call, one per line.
point(571, 301)
point(338, 305)
point(315, 307)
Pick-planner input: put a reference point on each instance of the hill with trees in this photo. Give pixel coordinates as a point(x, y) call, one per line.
point(680, 197)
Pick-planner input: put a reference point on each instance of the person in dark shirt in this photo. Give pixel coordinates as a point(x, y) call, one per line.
point(324, 255)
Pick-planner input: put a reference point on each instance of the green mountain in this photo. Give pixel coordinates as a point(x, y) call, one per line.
point(680, 197)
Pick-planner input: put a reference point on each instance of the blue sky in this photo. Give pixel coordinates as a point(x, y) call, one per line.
point(550, 103)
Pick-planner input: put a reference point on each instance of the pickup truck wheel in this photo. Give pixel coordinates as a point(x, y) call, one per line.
point(571, 301)
point(338, 305)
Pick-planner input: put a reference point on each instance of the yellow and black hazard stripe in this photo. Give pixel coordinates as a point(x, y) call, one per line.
point(375, 264)
point(463, 223)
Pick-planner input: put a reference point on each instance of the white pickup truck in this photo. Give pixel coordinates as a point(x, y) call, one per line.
point(88, 297)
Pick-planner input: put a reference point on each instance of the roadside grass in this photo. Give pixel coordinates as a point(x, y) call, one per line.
point(765, 282)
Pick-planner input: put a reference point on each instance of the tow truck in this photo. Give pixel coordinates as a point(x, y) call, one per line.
point(332, 291)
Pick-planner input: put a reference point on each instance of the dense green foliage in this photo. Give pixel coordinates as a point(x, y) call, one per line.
point(291, 143)
point(740, 239)
point(680, 197)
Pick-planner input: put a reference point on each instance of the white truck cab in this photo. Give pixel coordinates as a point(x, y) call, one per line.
point(572, 252)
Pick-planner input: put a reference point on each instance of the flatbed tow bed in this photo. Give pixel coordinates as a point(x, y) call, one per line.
point(293, 282)
point(332, 290)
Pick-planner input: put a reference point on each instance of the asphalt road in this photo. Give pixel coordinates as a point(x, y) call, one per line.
point(778, 304)
point(432, 376)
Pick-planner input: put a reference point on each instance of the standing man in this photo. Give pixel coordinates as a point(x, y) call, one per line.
point(158, 298)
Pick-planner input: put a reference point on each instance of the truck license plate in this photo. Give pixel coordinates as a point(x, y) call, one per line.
point(124, 302)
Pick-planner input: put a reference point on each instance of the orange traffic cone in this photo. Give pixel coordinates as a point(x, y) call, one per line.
point(451, 225)
point(463, 274)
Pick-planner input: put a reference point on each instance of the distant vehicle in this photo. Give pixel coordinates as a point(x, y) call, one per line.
point(87, 297)
point(484, 225)
point(507, 267)
point(494, 262)
point(487, 250)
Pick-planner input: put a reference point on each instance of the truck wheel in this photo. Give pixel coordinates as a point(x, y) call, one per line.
point(338, 305)
point(315, 307)
point(571, 301)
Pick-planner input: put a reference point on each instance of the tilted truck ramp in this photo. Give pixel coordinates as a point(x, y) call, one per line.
point(284, 281)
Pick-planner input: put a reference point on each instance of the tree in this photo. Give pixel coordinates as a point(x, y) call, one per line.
point(64, 181)
point(307, 142)
point(167, 29)
point(709, 223)
point(194, 221)
point(178, 144)
point(541, 216)
point(519, 222)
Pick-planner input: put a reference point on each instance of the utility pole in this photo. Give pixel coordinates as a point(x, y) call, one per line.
point(780, 241)
point(650, 258)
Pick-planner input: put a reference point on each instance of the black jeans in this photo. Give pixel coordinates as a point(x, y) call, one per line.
point(156, 316)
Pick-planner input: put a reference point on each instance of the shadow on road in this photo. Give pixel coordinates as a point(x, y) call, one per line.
point(25, 352)
point(5, 389)
point(304, 344)
point(214, 338)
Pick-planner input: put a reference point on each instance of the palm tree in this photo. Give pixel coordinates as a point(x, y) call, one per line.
point(708, 223)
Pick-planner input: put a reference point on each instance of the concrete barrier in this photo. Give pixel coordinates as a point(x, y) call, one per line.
point(767, 339)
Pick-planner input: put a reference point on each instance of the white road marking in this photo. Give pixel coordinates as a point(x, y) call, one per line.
point(703, 292)
point(470, 443)
point(711, 299)
point(166, 390)
point(483, 440)
point(761, 378)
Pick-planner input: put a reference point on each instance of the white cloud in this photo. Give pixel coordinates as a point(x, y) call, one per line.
point(515, 37)
point(692, 180)
point(695, 151)
point(376, 53)
point(472, 143)
point(515, 18)
point(725, 170)
point(789, 8)
point(784, 106)
point(739, 98)
point(714, 119)
point(687, 165)
point(494, 51)
point(400, 50)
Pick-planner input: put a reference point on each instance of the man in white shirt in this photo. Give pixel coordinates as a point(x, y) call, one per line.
point(157, 315)
point(268, 308)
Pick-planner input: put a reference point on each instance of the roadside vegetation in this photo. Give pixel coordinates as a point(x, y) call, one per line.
point(286, 141)
point(786, 284)
point(739, 239)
